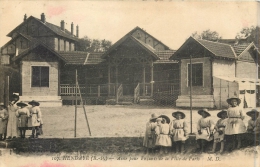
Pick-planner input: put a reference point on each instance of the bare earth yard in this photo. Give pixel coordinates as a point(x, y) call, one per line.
point(108, 121)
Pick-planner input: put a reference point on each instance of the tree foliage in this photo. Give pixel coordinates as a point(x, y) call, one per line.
point(207, 35)
point(250, 34)
point(93, 45)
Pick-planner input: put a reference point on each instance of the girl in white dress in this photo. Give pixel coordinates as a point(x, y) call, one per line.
point(163, 139)
point(22, 114)
point(150, 136)
point(36, 117)
point(220, 131)
point(235, 126)
point(205, 128)
point(179, 130)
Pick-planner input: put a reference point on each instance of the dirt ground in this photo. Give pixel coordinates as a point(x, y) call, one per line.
point(108, 121)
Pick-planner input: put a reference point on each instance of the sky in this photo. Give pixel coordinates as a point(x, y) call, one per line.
point(171, 22)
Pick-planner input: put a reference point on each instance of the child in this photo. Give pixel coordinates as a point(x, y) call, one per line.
point(235, 126)
point(36, 115)
point(22, 114)
point(179, 130)
point(3, 119)
point(252, 122)
point(205, 128)
point(220, 131)
point(163, 139)
point(150, 137)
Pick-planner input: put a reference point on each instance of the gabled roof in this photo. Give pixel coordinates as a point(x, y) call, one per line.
point(36, 44)
point(217, 49)
point(55, 29)
point(240, 49)
point(18, 35)
point(140, 43)
point(138, 28)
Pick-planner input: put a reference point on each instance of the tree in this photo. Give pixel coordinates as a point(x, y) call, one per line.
point(250, 34)
point(93, 45)
point(207, 35)
point(84, 44)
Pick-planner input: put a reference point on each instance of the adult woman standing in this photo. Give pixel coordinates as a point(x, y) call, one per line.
point(12, 128)
point(36, 117)
point(235, 125)
point(3, 119)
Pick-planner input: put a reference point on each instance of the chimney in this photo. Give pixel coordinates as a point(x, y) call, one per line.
point(62, 25)
point(25, 17)
point(72, 28)
point(43, 18)
point(77, 31)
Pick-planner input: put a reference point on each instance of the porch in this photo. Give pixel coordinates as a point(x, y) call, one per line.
point(110, 94)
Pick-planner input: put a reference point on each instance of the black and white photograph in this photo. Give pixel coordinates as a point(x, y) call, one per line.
point(129, 83)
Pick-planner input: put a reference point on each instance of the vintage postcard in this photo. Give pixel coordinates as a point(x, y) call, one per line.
point(129, 83)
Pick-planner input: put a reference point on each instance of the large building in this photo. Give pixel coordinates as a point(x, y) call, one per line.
point(219, 71)
point(45, 55)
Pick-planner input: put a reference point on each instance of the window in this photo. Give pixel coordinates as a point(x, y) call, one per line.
point(40, 76)
point(197, 74)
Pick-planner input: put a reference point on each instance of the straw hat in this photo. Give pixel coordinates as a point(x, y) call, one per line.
point(34, 102)
point(154, 116)
point(178, 112)
point(21, 104)
point(203, 110)
point(166, 118)
point(253, 112)
point(233, 97)
point(221, 112)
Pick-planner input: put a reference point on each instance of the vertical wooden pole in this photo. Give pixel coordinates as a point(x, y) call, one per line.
point(78, 89)
point(75, 125)
point(6, 90)
point(108, 76)
point(152, 81)
point(143, 79)
point(190, 95)
point(116, 84)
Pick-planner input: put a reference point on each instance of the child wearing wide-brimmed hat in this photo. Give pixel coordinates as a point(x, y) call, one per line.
point(205, 127)
point(36, 118)
point(3, 119)
point(150, 137)
point(163, 139)
point(235, 126)
point(252, 122)
point(220, 131)
point(179, 130)
point(22, 114)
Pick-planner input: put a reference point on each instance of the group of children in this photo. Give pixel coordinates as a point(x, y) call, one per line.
point(19, 117)
point(162, 134)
